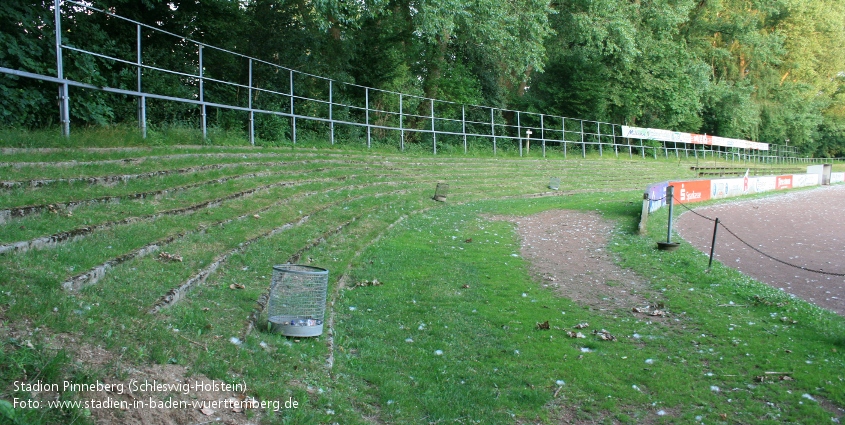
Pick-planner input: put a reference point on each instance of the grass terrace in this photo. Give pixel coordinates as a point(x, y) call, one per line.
point(122, 262)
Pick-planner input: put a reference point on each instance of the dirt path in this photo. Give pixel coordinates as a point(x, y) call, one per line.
point(805, 228)
point(568, 252)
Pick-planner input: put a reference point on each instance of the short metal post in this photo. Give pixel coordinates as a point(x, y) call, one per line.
point(493, 130)
point(64, 104)
point(401, 128)
point(367, 114)
point(583, 145)
point(251, 112)
point(203, 122)
point(142, 100)
point(464, 125)
point(670, 191)
point(713, 244)
point(433, 134)
point(519, 133)
point(528, 141)
point(598, 130)
point(292, 113)
point(563, 135)
point(543, 134)
point(331, 116)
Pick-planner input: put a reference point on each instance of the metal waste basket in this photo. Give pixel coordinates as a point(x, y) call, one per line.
point(298, 299)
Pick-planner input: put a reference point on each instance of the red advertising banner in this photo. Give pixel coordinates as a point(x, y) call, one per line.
point(784, 182)
point(691, 191)
point(701, 139)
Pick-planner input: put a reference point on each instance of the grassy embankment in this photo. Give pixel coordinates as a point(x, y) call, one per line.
point(446, 337)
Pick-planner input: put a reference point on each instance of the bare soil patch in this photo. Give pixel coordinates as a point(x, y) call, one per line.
point(567, 251)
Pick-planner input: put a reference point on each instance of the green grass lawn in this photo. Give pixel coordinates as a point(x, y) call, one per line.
point(449, 335)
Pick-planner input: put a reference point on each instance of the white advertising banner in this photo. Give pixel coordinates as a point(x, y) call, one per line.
point(766, 184)
point(680, 137)
point(726, 188)
point(804, 180)
point(837, 178)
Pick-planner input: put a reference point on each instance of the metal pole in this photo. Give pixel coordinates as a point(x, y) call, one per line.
point(433, 134)
point(251, 112)
point(583, 146)
point(598, 130)
point(367, 114)
point(670, 191)
point(142, 101)
point(64, 104)
point(464, 125)
point(203, 121)
point(563, 134)
point(519, 133)
point(331, 110)
point(401, 128)
point(493, 130)
point(713, 244)
point(543, 134)
point(292, 113)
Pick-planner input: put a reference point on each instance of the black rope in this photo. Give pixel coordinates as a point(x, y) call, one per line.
point(777, 259)
point(694, 212)
point(656, 200)
point(757, 250)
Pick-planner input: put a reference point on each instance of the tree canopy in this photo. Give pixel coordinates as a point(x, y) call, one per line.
point(766, 70)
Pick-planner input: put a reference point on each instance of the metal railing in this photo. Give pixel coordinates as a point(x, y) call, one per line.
point(321, 101)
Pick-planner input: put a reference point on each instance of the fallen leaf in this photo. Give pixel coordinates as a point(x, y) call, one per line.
point(544, 325)
point(575, 334)
point(468, 240)
point(465, 286)
point(237, 286)
point(604, 335)
point(582, 325)
point(166, 256)
point(256, 216)
point(206, 411)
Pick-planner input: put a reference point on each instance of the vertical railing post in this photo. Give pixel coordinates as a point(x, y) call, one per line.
point(519, 133)
point(615, 146)
point(583, 145)
point(464, 125)
point(64, 104)
point(292, 112)
point(543, 134)
point(493, 130)
point(598, 130)
point(563, 134)
point(142, 100)
point(367, 115)
point(203, 122)
point(251, 112)
point(401, 126)
point(331, 110)
point(433, 134)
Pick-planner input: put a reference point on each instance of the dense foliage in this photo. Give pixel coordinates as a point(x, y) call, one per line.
point(767, 70)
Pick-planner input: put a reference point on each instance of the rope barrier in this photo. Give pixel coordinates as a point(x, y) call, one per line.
point(758, 250)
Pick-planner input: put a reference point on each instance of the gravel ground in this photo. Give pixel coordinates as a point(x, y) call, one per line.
point(567, 251)
point(805, 229)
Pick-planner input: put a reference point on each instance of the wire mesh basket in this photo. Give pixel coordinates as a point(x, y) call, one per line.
point(297, 300)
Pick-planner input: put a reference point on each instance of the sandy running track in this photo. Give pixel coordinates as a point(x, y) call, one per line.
point(804, 228)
